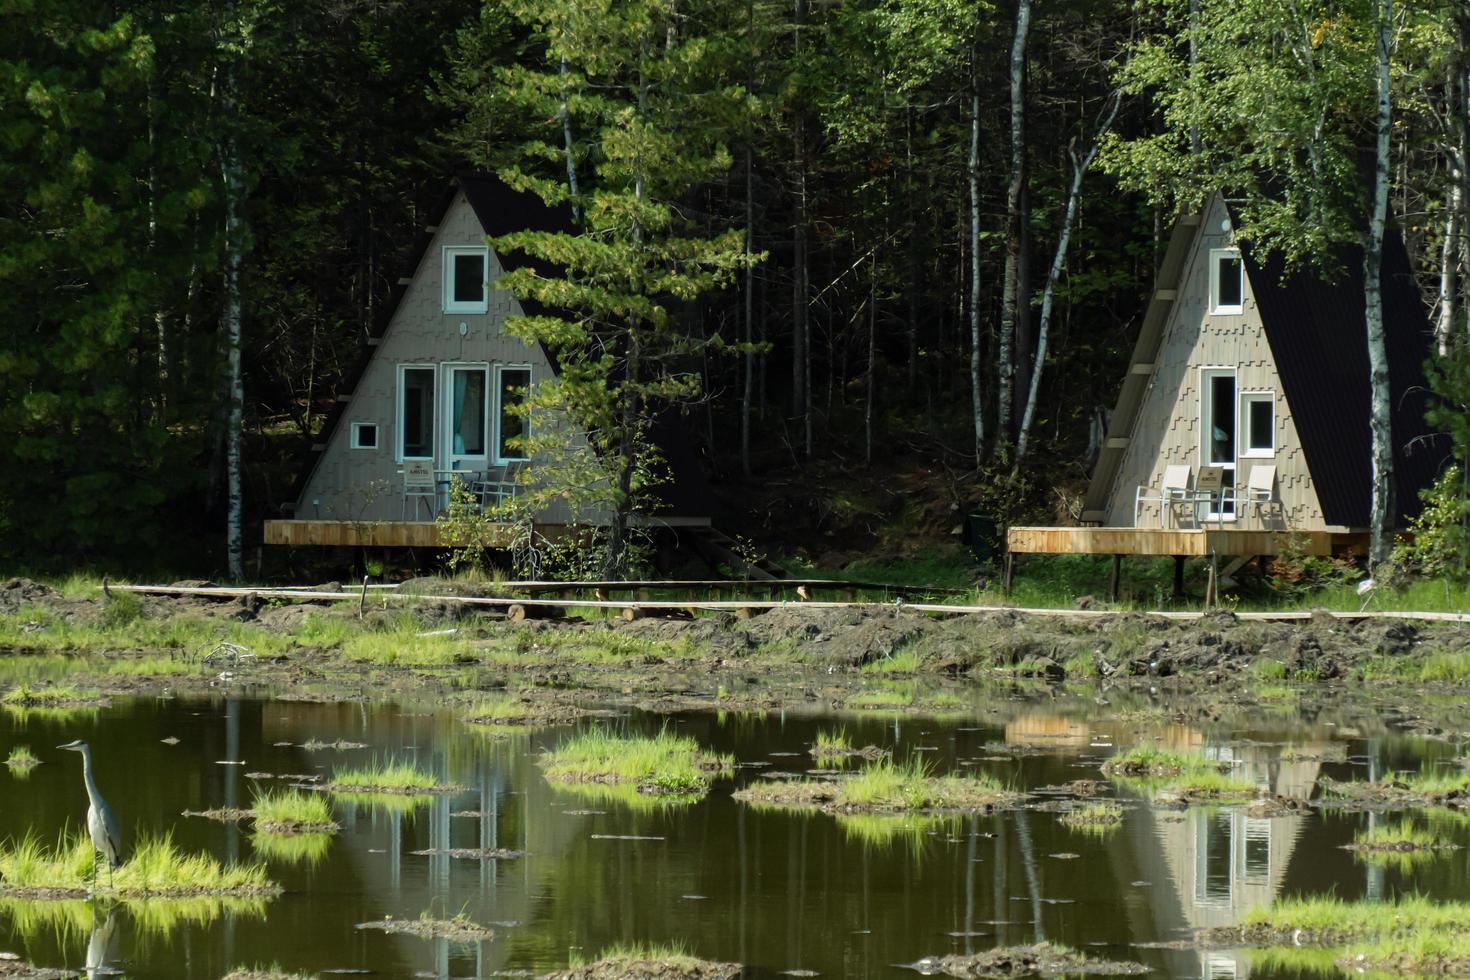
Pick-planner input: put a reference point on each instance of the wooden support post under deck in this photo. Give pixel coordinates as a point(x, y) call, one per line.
point(1115, 579)
point(1009, 572)
point(1212, 584)
point(1178, 576)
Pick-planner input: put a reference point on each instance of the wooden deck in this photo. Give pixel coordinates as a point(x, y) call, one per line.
point(383, 534)
point(1189, 542)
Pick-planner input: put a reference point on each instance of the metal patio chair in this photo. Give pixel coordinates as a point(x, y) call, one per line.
point(1173, 491)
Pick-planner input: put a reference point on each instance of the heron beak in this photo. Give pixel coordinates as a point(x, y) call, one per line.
point(70, 745)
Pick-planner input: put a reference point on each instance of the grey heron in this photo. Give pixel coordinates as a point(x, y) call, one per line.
point(101, 824)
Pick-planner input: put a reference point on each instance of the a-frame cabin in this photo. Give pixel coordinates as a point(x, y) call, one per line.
point(1241, 427)
point(436, 391)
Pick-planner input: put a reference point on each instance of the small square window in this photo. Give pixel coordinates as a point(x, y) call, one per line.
point(364, 435)
point(1258, 418)
point(465, 270)
point(1227, 281)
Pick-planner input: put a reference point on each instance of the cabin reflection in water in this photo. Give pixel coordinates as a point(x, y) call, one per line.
point(1207, 866)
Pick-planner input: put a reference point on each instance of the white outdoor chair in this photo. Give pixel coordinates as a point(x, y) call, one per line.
point(1173, 490)
point(1260, 489)
point(419, 486)
point(501, 485)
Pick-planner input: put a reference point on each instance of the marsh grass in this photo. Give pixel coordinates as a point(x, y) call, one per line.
point(639, 960)
point(21, 757)
point(905, 661)
point(156, 867)
point(665, 763)
point(828, 746)
point(885, 786)
point(293, 811)
point(1403, 788)
point(1098, 819)
point(1155, 770)
point(272, 972)
point(385, 777)
point(1409, 935)
point(49, 696)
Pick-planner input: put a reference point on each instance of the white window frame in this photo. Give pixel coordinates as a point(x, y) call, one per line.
point(451, 252)
point(1206, 373)
point(1216, 254)
point(495, 408)
point(398, 456)
point(1242, 441)
point(358, 427)
point(444, 406)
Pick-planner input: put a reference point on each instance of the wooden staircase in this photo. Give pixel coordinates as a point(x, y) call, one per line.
point(718, 548)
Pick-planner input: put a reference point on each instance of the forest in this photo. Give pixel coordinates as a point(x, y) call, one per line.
point(846, 240)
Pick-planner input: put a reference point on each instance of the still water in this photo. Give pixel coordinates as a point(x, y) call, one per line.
point(851, 897)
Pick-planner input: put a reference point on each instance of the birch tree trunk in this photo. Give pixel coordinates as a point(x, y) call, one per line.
point(872, 358)
point(1010, 289)
point(234, 247)
point(801, 397)
point(1451, 273)
point(1381, 513)
point(1080, 163)
point(977, 398)
point(567, 139)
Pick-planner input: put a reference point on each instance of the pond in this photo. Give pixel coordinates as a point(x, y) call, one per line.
point(775, 890)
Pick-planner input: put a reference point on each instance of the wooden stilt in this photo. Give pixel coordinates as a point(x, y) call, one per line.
point(1115, 580)
point(1009, 573)
point(1212, 586)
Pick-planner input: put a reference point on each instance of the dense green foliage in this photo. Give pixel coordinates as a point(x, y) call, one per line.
point(775, 230)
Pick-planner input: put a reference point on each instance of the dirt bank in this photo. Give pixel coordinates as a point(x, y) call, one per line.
point(795, 643)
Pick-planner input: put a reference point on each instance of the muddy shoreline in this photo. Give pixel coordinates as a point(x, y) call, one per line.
point(838, 658)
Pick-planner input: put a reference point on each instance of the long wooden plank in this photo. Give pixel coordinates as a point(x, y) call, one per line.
point(653, 605)
point(1173, 541)
point(381, 534)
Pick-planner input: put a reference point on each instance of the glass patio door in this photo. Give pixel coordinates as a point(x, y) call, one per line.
point(466, 417)
point(1218, 424)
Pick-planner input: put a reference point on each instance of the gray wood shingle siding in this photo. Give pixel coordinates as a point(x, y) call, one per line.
point(365, 484)
point(1166, 426)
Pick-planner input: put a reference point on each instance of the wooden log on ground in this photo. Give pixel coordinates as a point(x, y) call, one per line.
point(522, 611)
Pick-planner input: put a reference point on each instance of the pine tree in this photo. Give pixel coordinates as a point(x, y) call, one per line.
point(650, 91)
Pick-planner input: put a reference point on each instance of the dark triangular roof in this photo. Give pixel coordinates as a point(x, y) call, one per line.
point(1316, 329)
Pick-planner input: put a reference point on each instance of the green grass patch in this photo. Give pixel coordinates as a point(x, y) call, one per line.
point(831, 745)
point(385, 777)
point(905, 661)
point(155, 868)
point(885, 787)
point(1405, 936)
point(21, 757)
point(49, 696)
point(1403, 789)
point(640, 960)
point(293, 811)
point(1093, 818)
point(1188, 776)
point(662, 764)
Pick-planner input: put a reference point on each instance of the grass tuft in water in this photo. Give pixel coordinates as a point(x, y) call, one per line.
point(293, 812)
point(385, 777)
point(21, 757)
point(639, 960)
point(885, 787)
point(663, 764)
point(272, 972)
point(49, 696)
point(1188, 776)
point(1409, 935)
point(1094, 818)
point(156, 867)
